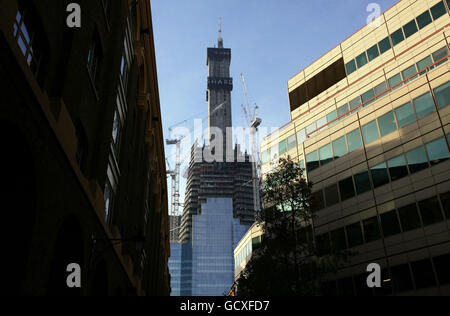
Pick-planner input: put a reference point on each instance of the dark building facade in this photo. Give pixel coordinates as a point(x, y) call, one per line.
point(83, 171)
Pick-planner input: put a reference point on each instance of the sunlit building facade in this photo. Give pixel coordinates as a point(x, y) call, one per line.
point(370, 123)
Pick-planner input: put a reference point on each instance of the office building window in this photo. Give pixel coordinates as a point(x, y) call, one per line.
point(265, 156)
point(397, 168)
point(438, 151)
point(397, 37)
point(361, 60)
point(424, 105)
point(338, 240)
point(394, 82)
point(343, 110)
point(310, 129)
point(346, 188)
point(354, 235)
point(401, 278)
point(291, 142)
point(379, 175)
point(417, 159)
point(438, 10)
point(410, 28)
point(331, 117)
point(442, 267)
point(440, 55)
point(405, 115)
point(423, 64)
point(355, 103)
point(387, 124)
point(371, 229)
point(301, 136)
point(445, 200)
point(430, 211)
point(282, 147)
point(423, 274)
point(408, 73)
point(362, 182)
point(373, 52)
point(424, 19)
point(442, 95)
point(370, 132)
point(380, 90)
point(322, 122)
point(409, 217)
point(354, 140)
point(312, 161)
point(326, 155)
point(340, 147)
point(390, 224)
point(350, 67)
point(384, 45)
point(368, 97)
point(331, 195)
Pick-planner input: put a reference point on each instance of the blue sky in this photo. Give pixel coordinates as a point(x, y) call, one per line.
point(271, 41)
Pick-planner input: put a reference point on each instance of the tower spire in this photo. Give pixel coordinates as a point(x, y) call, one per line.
point(220, 39)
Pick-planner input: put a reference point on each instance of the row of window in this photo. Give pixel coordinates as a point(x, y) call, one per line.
point(345, 110)
point(397, 37)
point(406, 277)
point(396, 168)
point(382, 126)
point(404, 219)
point(247, 250)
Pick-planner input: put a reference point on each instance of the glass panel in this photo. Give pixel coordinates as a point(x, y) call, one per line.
point(342, 110)
point(282, 147)
point(438, 151)
point(423, 274)
point(424, 19)
point(410, 28)
point(385, 45)
point(354, 140)
point(338, 239)
point(373, 52)
point(312, 161)
point(442, 267)
point(355, 103)
point(291, 142)
point(401, 278)
point(438, 10)
point(370, 132)
point(409, 217)
point(361, 60)
point(350, 67)
point(265, 156)
point(390, 224)
point(423, 64)
point(354, 235)
point(379, 175)
point(397, 37)
point(326, 155)
point(394, 82)
point(397, 167)
point(322, 123)
point(274, 152)
point(439, 56)
point(311, 128)
point(408, 72)
point(331, 195)
point(442, 95)
point(301, 136)
point(380, 90)
point(430, 210)
point(405, 115)
point(362, 182)
point(387, 123)
point(424, 105)
point(369, 95)
point(22, 45)
point(330, 117)
point(340, 147)
point(371, 229)
point(417, 159)
point(346, 188)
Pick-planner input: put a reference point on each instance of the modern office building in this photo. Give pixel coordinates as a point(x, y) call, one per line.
point(83, 176)
point(370, 122)
point(245, 247)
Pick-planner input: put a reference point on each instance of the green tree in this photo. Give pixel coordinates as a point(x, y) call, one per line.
point(288, 261)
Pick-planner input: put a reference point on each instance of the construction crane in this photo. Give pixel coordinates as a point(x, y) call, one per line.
point(253, 121)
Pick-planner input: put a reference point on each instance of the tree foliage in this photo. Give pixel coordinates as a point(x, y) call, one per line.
point(288, 261)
